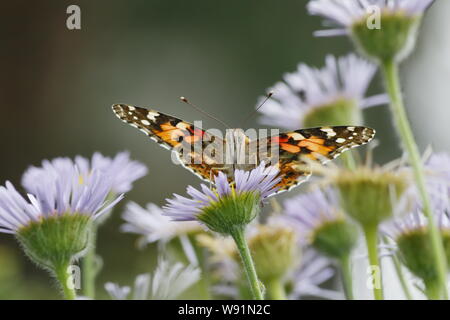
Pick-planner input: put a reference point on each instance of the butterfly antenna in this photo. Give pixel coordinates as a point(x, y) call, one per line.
point(204, 112)
point(269, 95)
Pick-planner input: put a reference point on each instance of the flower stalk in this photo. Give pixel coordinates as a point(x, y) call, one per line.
point(391, 75)
point(255, 286)
point(433, 290)
point(401, 277)
point(64, 278)
point(89, 265)
point(371, 236)
point(91, 262)
point(346, 271)
point(275, 289)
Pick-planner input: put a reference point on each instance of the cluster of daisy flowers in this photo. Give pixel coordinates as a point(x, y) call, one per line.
point(229, 246)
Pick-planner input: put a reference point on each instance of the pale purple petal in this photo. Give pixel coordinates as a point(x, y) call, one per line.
point(261, 180)
point(58, 187)
point(309, 88)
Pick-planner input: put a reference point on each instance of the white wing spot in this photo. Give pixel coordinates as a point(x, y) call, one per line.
point(182, 125)
point(145, 122)
point(351, 128)
point(152, 115)
point(131, 108)
point(330, 132)
point(340, 140)
point(296, 136)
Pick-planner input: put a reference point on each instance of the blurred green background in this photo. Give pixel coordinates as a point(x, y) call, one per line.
point(57, 86)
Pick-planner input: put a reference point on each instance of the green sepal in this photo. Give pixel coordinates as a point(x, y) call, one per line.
point(55, 241)
point(274, 251)
point(231, 212)
point(342, 112)
point(370, 196)
point(417, 255)
point(395, 39)
point(335, 239)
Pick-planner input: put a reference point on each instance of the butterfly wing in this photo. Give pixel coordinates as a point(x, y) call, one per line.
point(322, 144)
point(182, 138)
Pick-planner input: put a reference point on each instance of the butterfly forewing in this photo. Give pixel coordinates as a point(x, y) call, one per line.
point(318, 144)
point(185, 140)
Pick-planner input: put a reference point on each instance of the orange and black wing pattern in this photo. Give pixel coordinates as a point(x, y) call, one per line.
point(185, 140)
point(318, 144)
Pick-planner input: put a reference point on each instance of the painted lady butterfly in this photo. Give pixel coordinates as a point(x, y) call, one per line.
point(288, 149)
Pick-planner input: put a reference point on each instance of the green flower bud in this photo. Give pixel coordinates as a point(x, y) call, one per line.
point(335, 239)
point(395, 39)
point(370, 196)
point(274, 250)
point(231, 212)
point(339, 113)
point(417, 255)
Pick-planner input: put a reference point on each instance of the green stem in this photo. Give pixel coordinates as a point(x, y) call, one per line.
point(275, 289)
point(346, 269)
point(247, 261)
point(63, 276)
point(89, 265)
point(348, 160)
point(391, 74)
point(371, 235)
point(433, 290)
point(401, 277)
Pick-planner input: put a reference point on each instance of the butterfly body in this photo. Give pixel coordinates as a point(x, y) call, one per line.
point(206, 153)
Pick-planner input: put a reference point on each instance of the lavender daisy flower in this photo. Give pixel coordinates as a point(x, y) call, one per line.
point(438, 167)
point(153, 225)
point(226, 206)
point(56, 194)
point(382, 29)
point(345, 13)
point(332, 95)
point(313, 272)
point(228, 209)
point(121, 170)
point(322, 223)
point(411, 235)
point(53, 222)
point(168, 282)
point(318, 217)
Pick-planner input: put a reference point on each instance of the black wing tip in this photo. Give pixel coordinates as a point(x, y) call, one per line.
point(370, 133)
point(117, 107)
